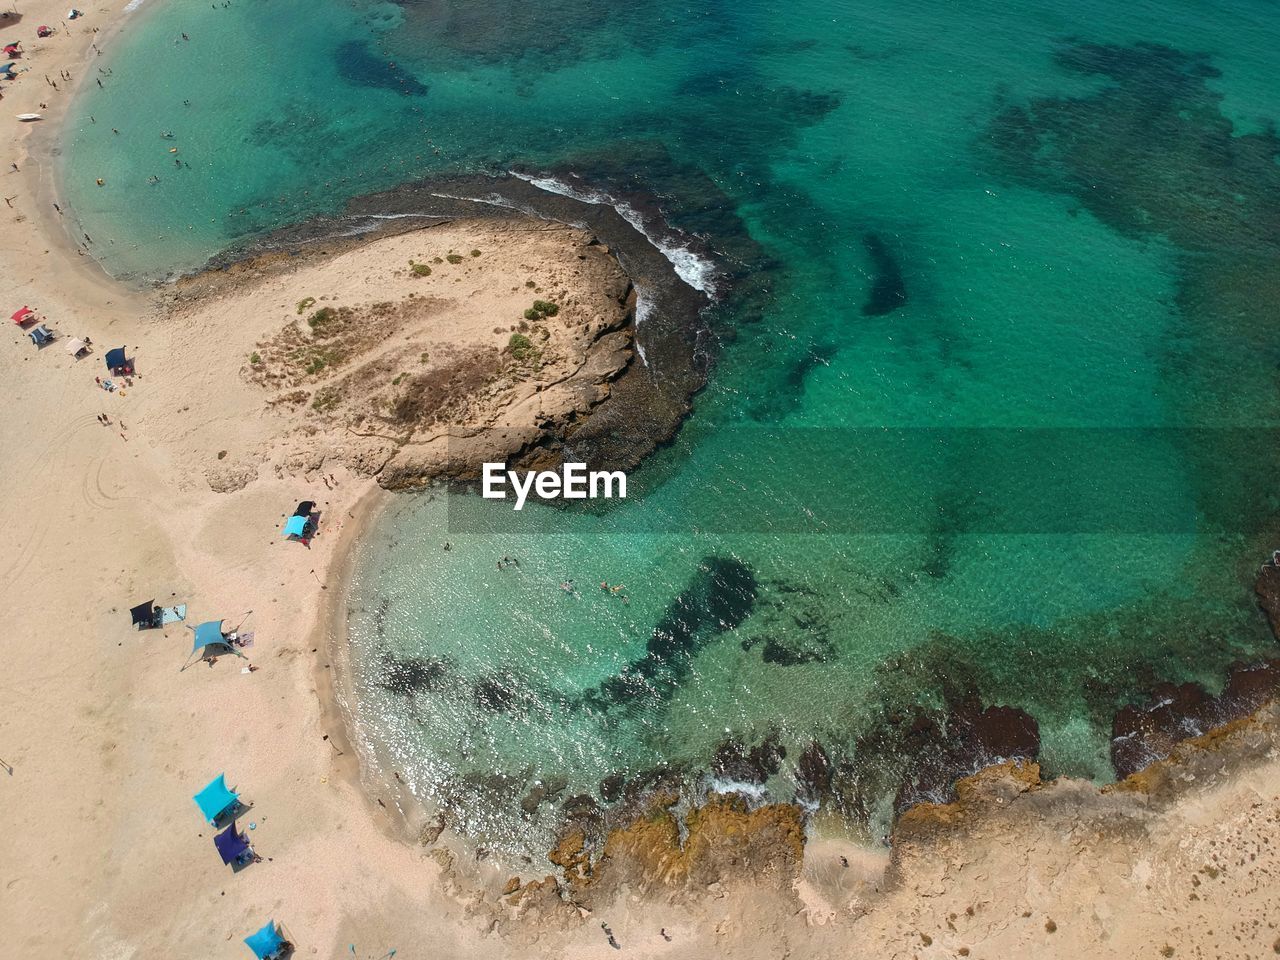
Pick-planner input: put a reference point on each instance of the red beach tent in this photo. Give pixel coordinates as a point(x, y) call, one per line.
point(25, 315)
point(43, 31)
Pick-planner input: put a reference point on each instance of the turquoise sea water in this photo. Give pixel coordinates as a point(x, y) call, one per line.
point(967, 221)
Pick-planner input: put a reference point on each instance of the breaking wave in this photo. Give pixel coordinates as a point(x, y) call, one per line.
point(691, 267)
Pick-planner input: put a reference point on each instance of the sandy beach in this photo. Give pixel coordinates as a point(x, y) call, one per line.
point(181, 498)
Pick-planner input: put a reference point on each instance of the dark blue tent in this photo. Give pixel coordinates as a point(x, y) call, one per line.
point(232, 845)
point(143, 615)
point(116, 358)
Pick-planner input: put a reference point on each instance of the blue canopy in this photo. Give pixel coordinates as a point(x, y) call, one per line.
point(216, 799)
point(116, 358)
point(6, 68)
point(209, 634)
point(231, 844)
point(296, 527)
point(266, 943)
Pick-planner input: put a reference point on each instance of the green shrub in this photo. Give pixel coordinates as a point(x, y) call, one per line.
point(254, 359)
point(454, 258)
point(541, 309)
point(421, 269)
point(475, 253)
point(326, 399)
point(521, 347)
point(305, 303)
point(321, 317)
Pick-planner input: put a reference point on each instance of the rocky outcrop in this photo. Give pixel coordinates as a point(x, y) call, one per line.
point(973, 737)
point(975, 795)
point(726, 843)
point(1141, 734)
point(719, 844)
point(1267, 587)
point(735, 761)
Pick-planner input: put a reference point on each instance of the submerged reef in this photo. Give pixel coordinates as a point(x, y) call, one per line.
point(719, 597)
point(888, 288)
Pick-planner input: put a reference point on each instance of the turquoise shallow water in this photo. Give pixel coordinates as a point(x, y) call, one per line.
point(966, 222)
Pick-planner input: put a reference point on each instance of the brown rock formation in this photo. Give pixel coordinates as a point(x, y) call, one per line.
point(1142, 734)
point(725, 844)
point(1267, 587)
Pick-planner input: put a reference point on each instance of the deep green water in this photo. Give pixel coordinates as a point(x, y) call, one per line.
point(961, 218)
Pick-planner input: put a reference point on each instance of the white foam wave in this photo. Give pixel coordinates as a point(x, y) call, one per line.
point(695, 270)
point(752, 791)
point(644, 309)
point(395, 216)
point(133, 5)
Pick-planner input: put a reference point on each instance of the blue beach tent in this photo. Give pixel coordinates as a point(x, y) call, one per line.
point(209, 634)
point(210, 642)
point(267, 943)
point(232, 845)
point(216, 799)
point(210, 639)
point(116, 359)
point(296, 527)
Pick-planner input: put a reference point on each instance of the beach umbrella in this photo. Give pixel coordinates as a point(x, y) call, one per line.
point(143, 615)
point(210, 641)
point(296, 526)
point(216, 798)
point(7, 68)
point(231, 845)
point(267, 943)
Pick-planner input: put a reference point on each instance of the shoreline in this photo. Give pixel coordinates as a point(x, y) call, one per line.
point(329, 637)
point(46, 138)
